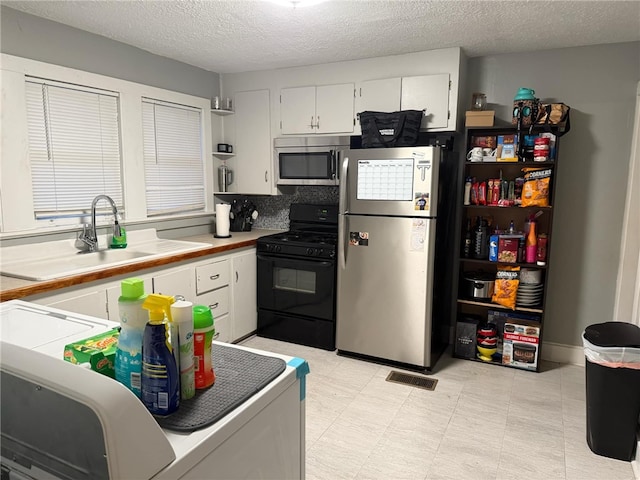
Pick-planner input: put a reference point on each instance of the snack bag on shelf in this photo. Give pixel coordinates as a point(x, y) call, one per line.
point(535, 191)
point(506, 286)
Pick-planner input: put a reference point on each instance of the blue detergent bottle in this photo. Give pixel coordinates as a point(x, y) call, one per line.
point(160, 375)
point(133, 318)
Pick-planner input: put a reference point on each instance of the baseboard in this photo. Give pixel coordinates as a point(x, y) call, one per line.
point(560, 353)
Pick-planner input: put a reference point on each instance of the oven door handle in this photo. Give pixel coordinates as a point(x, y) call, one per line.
point(301, 261)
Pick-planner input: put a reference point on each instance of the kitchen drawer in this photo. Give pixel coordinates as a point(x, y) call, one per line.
point(212, 276)
point(223, 330)
point(217, 301)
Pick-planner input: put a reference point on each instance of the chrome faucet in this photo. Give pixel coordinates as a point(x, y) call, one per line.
point(87, 240)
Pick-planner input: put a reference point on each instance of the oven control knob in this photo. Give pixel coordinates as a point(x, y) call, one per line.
point(309, 251)
point(319, 252)
point(277, 248)
point(332, 254)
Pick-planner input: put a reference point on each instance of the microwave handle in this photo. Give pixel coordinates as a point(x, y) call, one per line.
point(334, 164)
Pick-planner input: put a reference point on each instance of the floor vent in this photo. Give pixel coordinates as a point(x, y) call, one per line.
point(412, 380)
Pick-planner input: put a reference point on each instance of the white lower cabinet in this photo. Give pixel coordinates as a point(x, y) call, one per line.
point(87, 302)
point(244, 280)
point(225, 283)
point(218, 301)
point(175, 282)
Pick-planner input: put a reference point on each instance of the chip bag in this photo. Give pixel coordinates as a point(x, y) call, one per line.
point(506, 286)
point(535, 191)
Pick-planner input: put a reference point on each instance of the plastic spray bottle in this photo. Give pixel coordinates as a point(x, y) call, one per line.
point(160, 376)
point(182, 313)
point(203, 331)
point(133, 318)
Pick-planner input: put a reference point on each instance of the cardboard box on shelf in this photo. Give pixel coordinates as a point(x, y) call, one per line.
point(481, 118)
point(520, 346)
point(499, 318)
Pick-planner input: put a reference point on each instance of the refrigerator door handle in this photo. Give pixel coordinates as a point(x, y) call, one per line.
point(344, 190)
point(343, 239)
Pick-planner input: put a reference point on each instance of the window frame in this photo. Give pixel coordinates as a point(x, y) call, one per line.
point(16, 200)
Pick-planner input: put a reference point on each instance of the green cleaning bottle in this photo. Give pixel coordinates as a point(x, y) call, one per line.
point(119, 241)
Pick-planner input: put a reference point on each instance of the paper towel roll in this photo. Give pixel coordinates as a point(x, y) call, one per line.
point(222, 219)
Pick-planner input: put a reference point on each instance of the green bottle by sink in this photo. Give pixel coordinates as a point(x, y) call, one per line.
point(119, 241)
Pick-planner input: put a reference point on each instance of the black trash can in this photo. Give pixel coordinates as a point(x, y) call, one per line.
point(612, 352)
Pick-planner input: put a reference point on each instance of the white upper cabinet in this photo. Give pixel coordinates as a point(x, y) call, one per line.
point(253, 153)
point(380, 95)
point(423, 92)
point(429, 93)
point(317, 109)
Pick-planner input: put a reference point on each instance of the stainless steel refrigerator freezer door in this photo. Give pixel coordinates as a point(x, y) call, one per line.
point(385, 278)
point(390, 181)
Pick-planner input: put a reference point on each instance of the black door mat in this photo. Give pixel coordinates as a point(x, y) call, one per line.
point(239, 376)
point(412, 380)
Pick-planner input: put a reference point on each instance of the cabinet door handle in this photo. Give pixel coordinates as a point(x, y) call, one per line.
point(216, 335)
point(265, 176)
point(311, 124)
point(318, 122)
point(236, 277)
point(214, 306)
point(214, 277)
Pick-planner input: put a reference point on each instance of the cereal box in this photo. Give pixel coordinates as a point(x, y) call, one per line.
point(99, 351)
point(507, 148)
point(508, 248)
point(520, 346)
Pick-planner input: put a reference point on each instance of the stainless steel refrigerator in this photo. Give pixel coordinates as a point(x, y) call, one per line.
point(386, 247)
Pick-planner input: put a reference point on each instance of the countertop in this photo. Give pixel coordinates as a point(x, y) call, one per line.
point(13, 288)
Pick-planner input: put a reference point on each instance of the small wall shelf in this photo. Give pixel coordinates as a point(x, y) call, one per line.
point(221, 111)
point(223, 154)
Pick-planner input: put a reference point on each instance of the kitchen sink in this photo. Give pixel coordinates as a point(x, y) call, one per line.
point(50, 260)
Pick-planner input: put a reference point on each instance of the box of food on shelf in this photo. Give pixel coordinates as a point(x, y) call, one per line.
point(499, 318)
point(507, 148)
point(520, 347)
point(484, 141)
point(508, 248)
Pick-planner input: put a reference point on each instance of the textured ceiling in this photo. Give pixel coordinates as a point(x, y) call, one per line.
point(243, 35)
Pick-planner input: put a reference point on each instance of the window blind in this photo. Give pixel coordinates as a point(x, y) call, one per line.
point(74, 148)
point(173, 159)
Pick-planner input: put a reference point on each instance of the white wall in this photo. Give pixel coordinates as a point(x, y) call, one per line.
point(28, 36)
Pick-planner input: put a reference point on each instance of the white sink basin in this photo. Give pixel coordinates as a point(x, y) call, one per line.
point(47, 261)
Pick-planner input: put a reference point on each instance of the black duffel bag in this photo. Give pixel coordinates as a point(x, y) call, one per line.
point(390, 129)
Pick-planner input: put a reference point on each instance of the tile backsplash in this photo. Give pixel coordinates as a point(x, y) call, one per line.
point(274, 210)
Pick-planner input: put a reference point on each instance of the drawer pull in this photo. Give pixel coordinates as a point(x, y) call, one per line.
point(214, 277)
point(214, 306)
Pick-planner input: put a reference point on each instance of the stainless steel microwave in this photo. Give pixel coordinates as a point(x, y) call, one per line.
point(308, 160)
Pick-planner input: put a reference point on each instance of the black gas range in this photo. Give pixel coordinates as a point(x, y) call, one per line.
point(297, 278)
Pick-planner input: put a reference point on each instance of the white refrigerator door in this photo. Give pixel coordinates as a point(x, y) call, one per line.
point(385, 274)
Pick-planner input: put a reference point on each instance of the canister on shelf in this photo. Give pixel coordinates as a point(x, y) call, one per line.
point(541, 250)
point(541, 149)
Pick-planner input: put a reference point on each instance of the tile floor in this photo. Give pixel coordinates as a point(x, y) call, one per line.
point(481, 422)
